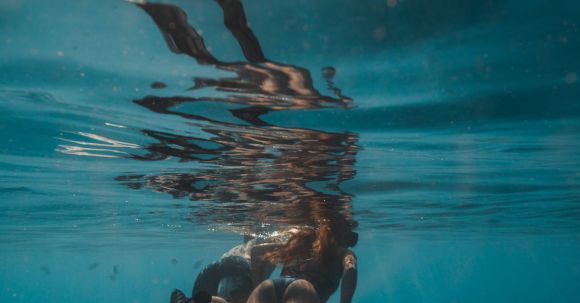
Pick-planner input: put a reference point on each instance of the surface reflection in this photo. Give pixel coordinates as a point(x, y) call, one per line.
point(259, 82)
point(264, 172)
point(254, 174)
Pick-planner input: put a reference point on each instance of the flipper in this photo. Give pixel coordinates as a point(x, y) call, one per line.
point(177, 296)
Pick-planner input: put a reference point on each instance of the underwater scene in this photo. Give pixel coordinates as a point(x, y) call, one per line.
point(196, 151)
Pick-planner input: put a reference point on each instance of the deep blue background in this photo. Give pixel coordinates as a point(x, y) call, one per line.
point(468, 181)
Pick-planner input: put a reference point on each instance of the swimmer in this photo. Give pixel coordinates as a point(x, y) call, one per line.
point(314, 262)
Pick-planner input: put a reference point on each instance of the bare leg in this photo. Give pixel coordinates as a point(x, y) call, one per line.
point(235, 21)
point(179, 35)
point(300, 291)
point(263, 293)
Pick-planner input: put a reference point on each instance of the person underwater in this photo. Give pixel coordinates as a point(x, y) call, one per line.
point(314, 262)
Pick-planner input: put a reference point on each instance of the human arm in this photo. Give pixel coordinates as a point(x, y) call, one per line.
point(260, 268)
point(349, 276)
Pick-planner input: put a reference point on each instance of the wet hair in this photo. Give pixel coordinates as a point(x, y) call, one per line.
point(317, 244)
point(298, 247)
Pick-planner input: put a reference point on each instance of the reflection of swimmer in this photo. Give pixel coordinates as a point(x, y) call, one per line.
point(230, 279)
point(314, 262)
point(267, 172)
point(260, 83)
point(260, 172)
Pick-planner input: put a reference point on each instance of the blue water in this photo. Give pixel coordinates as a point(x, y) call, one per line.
point(455, 147)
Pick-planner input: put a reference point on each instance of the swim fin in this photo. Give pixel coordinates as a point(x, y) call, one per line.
point(177, 296)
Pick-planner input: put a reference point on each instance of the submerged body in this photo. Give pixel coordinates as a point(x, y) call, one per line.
point(314, 262)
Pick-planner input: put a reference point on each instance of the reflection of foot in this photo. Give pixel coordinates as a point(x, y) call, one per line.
point(328, 72)
point(177, 296)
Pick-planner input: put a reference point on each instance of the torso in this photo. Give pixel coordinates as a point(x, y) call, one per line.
point(325, 277)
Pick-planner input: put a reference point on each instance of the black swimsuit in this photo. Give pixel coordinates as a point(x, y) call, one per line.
point(324, 277)
point(280, 286)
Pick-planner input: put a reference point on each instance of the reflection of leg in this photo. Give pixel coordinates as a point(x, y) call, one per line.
point(235, 21)
point(179, 35)
point(300, 291)
point(263, 293)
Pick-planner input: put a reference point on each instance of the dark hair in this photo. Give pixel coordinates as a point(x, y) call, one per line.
point(299, 246)
point(317, 244)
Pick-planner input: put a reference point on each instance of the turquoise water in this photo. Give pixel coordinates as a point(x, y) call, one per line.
point(448, 132)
